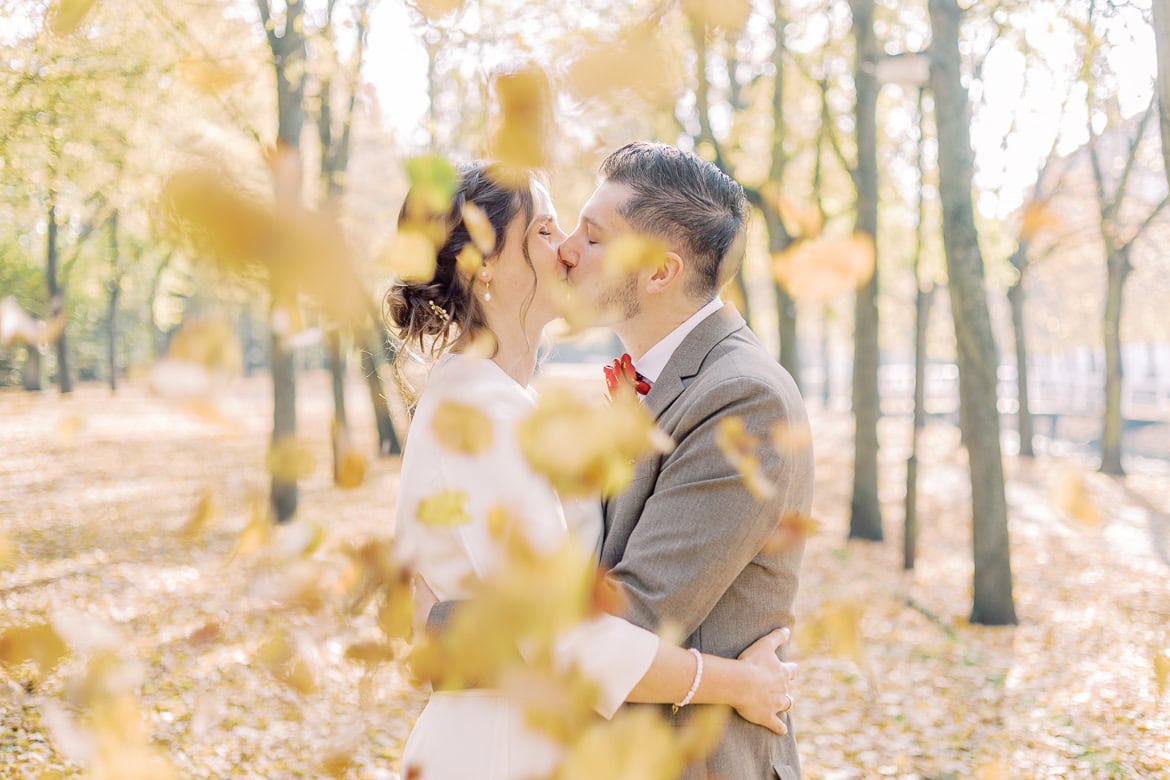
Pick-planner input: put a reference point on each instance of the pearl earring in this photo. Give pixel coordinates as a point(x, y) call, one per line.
point(487, 289)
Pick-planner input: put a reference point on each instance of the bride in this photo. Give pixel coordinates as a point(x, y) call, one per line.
point(510, 298)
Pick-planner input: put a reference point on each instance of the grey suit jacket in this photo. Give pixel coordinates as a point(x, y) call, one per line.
point(685, 539)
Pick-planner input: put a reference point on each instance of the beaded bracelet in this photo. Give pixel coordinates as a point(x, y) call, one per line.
point(695, 685)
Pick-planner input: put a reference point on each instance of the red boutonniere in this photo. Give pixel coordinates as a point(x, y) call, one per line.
point(623, 370)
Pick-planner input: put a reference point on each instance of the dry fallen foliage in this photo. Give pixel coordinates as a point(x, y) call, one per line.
point(204, 645)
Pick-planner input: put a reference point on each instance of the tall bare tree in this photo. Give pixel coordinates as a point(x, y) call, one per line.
point(865, 519)
point(1161, 12)
point(978, 415)
point(289, 56)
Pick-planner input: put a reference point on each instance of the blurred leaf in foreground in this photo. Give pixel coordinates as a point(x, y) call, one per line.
point(631, 254)
point(584, 448)
point(65, 16)
point(445, 509)
point(462, 428)
point(1070, 496)
point(825, 268)
point(742, 450)
point(37, 644)
point(19, 327)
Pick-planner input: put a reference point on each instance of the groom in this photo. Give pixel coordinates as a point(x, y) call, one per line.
point(687, 541)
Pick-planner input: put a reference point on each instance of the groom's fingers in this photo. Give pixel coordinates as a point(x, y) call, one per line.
point(778, 637)
point(777, 726)
point(791, 667)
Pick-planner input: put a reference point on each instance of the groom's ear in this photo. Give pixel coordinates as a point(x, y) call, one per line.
point(666, 275)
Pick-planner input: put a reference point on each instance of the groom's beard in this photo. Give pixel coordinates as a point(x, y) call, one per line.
point(622, 297)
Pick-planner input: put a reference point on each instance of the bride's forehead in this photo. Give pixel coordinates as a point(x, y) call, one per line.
point(542, 200)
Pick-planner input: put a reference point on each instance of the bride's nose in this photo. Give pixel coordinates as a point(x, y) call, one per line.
point(567, 254)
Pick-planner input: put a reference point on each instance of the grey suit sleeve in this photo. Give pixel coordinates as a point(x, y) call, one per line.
point(702, 527)
point(439, 616)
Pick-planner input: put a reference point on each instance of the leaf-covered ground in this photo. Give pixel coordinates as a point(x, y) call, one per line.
point(120, 515)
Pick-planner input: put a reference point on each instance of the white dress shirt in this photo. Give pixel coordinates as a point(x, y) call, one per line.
point(651, 364)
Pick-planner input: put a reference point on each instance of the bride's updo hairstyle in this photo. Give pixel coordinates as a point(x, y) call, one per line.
point(444, 313)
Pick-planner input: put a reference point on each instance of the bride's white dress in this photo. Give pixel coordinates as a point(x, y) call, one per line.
point(480, 733)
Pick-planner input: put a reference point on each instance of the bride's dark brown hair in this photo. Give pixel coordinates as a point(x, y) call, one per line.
point(444, 313)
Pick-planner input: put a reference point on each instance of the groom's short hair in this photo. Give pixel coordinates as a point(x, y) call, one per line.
point(685, 200)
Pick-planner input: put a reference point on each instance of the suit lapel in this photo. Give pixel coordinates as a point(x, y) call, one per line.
point(689, 357)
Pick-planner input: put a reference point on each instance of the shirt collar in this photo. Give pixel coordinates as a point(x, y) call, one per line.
point(651, 364)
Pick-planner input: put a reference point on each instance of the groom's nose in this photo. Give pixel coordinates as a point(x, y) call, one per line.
point(568, 254)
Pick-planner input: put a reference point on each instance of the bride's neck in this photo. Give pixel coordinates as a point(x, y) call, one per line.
point(516, 349)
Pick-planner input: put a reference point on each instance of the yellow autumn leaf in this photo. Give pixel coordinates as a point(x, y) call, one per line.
point(396, 612)
point(824, 268)
point(790, 532)
point(638, 744)
point(437, 9)
point(791, 437)
point(469, 260)
point(257, 532)
point(586, 448)
point(632, 253)
point(520, 141)
point(479, 227)
point(462, 428)
point(444, 510)
point(433, 181)
point(411, 256)
point(801, 221)
point(640, 61)
point(209, 76)
point(283, 659)
point(1162, 671)
point(38, 644)
point(290, 459)
point(837, 626)
point(65, 16)
point(742, 450)
point(370, 653)
point(19, 327)
point(1069, 495)
point(205, 511)
point(727, 15)
point(1038, 215)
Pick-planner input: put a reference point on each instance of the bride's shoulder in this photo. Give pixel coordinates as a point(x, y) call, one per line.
point(474, 381)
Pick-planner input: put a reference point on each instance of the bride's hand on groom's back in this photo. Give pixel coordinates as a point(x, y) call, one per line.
point(768, 697)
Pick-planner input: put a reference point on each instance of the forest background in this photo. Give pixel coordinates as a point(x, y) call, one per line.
point(958, 215)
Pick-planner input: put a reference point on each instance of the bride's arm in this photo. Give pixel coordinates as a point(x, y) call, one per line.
point(756, 684)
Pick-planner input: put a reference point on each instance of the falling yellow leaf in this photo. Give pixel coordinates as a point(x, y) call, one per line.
point(445, 509)
point(521, 138)
point(636, 745)
point(837, 626)
point(585, 448)
point(433, 181)
point(205, 512)
point(69, 426)
point(396, 612)
point(437, 9)
point(631, 253)
point(65, 16)
point(640, 61)
point(370, 653)
point(462, 428)
point(727, 15)
point(824, 268)
point(290, 459)
point(411, 256)
point(791, 437)
point(1162, 671)
point(283, 659)
point(469, 260)
point(257, 532)
point(7, 551)
point(479, 227)
point(803, 222)
point(210, 76)
point(38, 644)
point(742, 450)
point(790, 533)
point(1038, 215)
point(1070, 496)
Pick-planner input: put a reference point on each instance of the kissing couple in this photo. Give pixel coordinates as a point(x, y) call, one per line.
point(687, 542)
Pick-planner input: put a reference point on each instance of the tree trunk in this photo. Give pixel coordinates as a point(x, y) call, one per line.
point(923, 297)
point(57, 301)
point(865, 521)
point(31, 376)
point(337, 375)
point(388, 443)
point(289, 59)
point(1118, 268)
point(1015, 296)
point(115, 288)
point(1162, 47)
point(979, 417)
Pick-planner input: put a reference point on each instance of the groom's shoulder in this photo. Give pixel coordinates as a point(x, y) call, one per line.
point(740, 360)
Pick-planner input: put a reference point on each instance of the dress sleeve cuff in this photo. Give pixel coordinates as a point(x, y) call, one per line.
point(613, 653)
